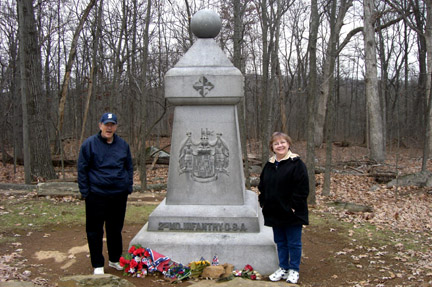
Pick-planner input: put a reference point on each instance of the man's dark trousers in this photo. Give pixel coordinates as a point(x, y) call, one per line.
point(109, 210)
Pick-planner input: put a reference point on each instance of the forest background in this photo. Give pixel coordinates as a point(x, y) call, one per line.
point(347, 71)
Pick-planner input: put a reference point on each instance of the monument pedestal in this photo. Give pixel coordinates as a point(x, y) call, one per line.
point(234, 247)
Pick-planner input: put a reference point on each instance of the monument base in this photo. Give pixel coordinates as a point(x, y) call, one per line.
point(207, 218)
point(238, 248)
point(256, 249)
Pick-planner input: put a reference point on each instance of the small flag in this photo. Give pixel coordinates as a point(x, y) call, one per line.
point(215, 261)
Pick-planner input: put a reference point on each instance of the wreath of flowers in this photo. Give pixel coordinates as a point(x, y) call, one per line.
point(132, 262)
point(140, 261)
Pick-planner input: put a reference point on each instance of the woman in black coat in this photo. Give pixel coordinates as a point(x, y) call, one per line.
point(284, 188)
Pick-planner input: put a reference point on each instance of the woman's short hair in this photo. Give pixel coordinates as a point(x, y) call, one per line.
point(279, 135)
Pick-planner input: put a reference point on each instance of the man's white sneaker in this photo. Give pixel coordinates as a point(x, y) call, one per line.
point(293, 276)
point(115, 265)
point(279, 274)
point(99, 271)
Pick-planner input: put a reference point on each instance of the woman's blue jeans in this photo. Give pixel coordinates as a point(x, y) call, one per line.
point(289, 246)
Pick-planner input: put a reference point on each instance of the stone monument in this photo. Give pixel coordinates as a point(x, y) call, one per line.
point(207, 210)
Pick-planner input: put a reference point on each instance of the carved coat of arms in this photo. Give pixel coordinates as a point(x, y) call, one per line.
point(204, 160)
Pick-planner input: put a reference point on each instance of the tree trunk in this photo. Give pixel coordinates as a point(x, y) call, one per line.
point(275, 91)
point(428, 134)
point(131, 70)
point(330, 127)
point(92, 76)
point(144, 95)
point(23, 34)
point(118, 63)
point(270, 24)
point(17, 129)
point(189, 15)
point(336, 23)
point(70, 62)
point(428, 36)
point(237, 59)
point(311, 99)
point(37, 153)
point(377, 142)
point(383, 83)
point(265, 107)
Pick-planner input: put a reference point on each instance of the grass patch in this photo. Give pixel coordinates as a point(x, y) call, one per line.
point(363, 233)
point(138, 214)
point(36, 213)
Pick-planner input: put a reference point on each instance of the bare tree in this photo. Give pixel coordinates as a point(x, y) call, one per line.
point(118, 57)
point(271, 13)
point(265, 102)
point(377, 141)
point(93, 69)
point(10, 81)
point(37, 153)
point(144, 95)
point(293, 66)
point(415, 16)
point(336, 17)
point(66, 78)
point(428, 136)
point(239, 10)
point(311, 100)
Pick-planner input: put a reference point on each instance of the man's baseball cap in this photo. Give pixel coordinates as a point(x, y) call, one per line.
point(108, 118)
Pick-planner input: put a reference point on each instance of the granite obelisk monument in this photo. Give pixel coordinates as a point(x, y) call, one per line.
point(207, 210)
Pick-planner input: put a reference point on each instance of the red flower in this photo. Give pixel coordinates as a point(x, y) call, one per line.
point(139, 251)
point(132, 249)
point(133, 264)
point(123, 261)
point(248, 268)
point(253, 277)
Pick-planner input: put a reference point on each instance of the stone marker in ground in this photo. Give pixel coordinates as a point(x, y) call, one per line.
point(105, 280)
point(207, 210)
point(14, 283)
point(242, 282)
point(58, 189)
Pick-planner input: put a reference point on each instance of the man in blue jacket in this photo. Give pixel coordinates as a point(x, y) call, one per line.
point(105, 178)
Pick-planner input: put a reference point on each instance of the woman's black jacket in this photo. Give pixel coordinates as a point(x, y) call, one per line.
point(284, 188)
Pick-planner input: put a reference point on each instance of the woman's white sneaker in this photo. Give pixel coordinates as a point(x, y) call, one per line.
point(293, 276)
point(279, 274)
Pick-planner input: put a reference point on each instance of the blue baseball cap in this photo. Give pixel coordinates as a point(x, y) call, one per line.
point(108, 118)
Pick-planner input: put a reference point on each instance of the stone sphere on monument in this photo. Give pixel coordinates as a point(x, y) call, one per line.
point(206, 24)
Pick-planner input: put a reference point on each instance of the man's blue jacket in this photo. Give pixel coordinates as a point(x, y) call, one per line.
point(103, 168)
